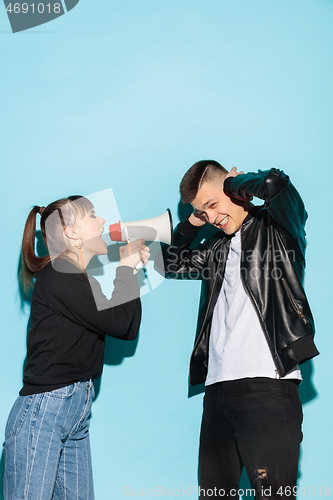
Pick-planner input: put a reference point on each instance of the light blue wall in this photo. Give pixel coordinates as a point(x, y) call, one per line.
point(127, 94)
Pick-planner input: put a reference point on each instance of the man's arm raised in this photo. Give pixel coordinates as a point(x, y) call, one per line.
point(282, 200)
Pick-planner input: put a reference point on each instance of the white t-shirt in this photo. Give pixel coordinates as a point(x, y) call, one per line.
point(238, 347)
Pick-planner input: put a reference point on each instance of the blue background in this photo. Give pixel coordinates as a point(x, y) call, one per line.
point(128, 94)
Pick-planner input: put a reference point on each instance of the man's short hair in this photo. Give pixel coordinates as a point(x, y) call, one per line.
point(200, 172)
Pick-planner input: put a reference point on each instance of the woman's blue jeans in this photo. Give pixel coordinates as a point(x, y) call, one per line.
point(47, 448)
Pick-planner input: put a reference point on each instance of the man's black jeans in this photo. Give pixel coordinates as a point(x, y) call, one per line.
point(255, 423)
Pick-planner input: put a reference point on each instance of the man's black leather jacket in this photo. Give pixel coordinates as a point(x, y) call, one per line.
point(272, 265)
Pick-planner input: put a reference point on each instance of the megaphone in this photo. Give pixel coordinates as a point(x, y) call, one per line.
point(158, 228)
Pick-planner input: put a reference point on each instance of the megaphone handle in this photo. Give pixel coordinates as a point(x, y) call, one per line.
point(129, 247)
point(140, 265)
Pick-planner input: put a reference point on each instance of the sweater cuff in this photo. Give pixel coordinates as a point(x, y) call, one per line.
point(126, 286)
point(125, 272)
point(304, 349)
point(189, 230)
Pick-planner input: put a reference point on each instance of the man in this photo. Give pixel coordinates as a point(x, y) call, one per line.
point(254, 326)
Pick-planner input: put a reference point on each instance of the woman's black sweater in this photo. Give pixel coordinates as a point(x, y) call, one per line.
point(70, 317)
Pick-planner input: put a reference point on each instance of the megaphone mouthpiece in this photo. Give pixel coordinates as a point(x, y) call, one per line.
point(115, 231)
point(157, 228)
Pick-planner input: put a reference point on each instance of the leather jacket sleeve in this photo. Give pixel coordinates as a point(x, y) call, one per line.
point(180, 260)
point(282, 201)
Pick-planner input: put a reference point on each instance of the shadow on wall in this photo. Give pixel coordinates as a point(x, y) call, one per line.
point(307, 391)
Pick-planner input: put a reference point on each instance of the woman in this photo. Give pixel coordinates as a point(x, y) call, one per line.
point(47, 450)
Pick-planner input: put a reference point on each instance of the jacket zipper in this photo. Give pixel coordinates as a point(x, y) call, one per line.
point(293, 301)
point(269, 343)
point(254, 305)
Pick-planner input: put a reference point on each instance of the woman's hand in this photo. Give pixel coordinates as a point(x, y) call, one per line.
point(133, 253)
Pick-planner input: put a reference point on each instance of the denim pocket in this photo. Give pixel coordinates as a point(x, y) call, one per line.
point(63, 392)
point(17, 415)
